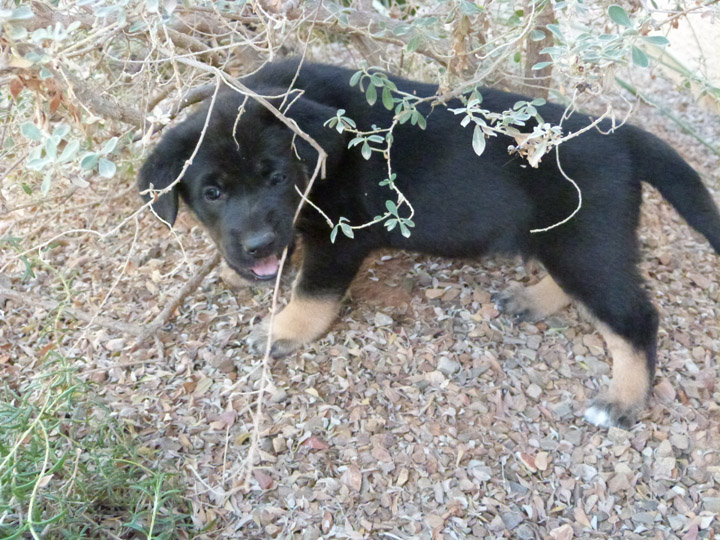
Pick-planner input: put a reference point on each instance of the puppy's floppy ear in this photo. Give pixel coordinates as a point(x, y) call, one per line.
point(164, 164)
point(311, 117)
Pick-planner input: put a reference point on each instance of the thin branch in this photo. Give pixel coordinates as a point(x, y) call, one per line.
point(32, 300)
point(193, 283)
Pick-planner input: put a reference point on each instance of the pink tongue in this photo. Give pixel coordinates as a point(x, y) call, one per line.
point(266, 267)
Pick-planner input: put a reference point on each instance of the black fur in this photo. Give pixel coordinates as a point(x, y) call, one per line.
point(465, 205)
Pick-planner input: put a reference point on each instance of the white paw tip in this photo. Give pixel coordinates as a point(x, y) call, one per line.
point(598, 416)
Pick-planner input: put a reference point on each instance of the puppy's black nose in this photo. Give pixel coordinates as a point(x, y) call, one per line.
point(257, 242)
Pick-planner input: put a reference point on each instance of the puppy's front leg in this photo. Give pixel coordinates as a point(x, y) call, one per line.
point(326, 273)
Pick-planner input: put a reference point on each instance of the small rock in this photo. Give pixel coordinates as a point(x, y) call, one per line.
point(664, 467)
point(562, 409)
point(665, 391)
point(677, 521)
point(564, 532)
point(646, 518)
point(534, 391)
point(700, 280)
point(619, 482)
point(515, 487)
point(512, 519)
point(448, 366)
point(681, 442)
point(533, 342)
point(496, 524)
point(434, 293)
point(574, 436)
point(711, 504)
point(542, 461)
point(381, 319)
point(524, 532)
point(279, 444)
point(618, 436)
point(664, 449)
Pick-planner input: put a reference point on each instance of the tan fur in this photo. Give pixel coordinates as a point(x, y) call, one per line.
point(305, 319)
point(536, 301)
point(547, 297)
point(630, 380)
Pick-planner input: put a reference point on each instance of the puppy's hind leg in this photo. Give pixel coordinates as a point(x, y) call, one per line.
point(613, 294)
point(534, 302)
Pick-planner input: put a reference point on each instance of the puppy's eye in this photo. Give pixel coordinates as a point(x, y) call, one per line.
point(212, 193)
point(278, 178)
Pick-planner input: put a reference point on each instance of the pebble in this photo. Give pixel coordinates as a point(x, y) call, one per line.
point(665, 449)
point(534, 391)
point(524, 532)
point(711, 504)
point(381, 319)
point(448, 366)
point(562, 409)
point(512, 519)
point(533, 342)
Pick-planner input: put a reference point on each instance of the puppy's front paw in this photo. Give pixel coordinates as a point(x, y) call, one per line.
point(257, 341)
point(605, 413)
point(302, 321)
point(517, 302)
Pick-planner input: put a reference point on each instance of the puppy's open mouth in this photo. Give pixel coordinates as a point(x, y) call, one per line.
point(266, 268)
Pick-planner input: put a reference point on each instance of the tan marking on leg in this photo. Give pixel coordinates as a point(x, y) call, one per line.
point(536, 301)
point(305, 319)
point(630, 378)
point(547, 297)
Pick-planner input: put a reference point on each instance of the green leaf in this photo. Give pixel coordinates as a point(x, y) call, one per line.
point(333, 234)
point(89, 161)
point(371, 95)
point(21, 13)
point(387, 98)
point(37, 164)
point(51, 148)
point(347, 230)
point(31, 131)
point(390, 224)
point(639, 57)
point(471, 8)
point(27, 189)
point(366, 151)
point(555, 29)
point(660, 41)
point(69, 151)
point(537, 35)
point(619, 15)
point(355, 78)
point(478, 140)
point(404, 230)
point(61, 130)
point(421, 121)
point(106, 168)
point(392, 208)
point(109, 146)
point(45, 186)
point(541, 65)
point(414, 43)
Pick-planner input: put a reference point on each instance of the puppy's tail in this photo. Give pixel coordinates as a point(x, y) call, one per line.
point(662, 167)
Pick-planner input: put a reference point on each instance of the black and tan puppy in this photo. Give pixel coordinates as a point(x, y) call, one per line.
point(241, 185)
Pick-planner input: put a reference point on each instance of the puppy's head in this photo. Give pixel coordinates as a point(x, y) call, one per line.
point(241, 183)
